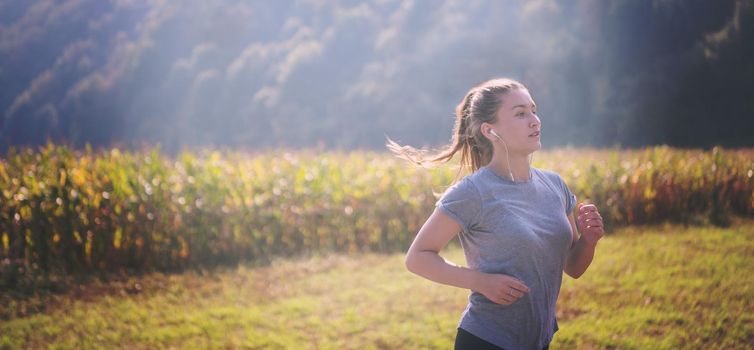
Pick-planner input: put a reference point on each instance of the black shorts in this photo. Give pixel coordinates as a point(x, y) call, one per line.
point(468, 341)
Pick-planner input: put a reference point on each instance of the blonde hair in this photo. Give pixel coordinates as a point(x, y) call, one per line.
point(480, 105)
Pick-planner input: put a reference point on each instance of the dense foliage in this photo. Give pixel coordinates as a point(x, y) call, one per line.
point(65, 212)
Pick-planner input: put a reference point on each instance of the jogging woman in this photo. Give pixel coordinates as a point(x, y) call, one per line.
point(515, 222)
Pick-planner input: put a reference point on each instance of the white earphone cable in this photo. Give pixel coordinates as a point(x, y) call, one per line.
point(507, 159)
point(510, 172)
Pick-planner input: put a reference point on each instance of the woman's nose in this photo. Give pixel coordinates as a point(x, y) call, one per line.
point(535, 122)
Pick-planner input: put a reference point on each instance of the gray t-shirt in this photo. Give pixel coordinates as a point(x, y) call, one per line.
point(519, 229)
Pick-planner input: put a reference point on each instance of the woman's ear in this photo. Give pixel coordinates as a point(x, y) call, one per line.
point(485, 129)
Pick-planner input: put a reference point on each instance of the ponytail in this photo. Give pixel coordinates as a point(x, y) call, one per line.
point(478, 106)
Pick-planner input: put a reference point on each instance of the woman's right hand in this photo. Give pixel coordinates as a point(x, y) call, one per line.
point(501, 289)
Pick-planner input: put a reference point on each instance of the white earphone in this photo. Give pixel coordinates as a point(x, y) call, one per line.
point(510, 173)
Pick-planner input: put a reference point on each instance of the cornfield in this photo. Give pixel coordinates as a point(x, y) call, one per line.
point(66, 212)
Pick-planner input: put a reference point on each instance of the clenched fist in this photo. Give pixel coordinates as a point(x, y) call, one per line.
point(590, 223)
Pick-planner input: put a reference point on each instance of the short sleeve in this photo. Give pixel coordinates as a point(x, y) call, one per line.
point(462, 202)
point(570, 198)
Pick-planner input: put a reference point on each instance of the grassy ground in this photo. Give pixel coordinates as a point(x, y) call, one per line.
point(648, 288)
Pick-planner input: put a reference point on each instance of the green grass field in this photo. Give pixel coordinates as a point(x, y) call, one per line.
point(662, 287)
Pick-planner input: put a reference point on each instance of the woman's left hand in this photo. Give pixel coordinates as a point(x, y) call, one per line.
point(590, 223)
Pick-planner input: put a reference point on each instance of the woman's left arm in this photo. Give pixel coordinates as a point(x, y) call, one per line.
point(582, 247)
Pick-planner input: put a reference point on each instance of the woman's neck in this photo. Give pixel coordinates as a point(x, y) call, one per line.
point(519, 167)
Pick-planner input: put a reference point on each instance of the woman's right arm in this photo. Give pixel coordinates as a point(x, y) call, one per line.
point(423, 258)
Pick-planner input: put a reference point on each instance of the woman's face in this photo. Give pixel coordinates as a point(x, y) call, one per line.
point(517, 122)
